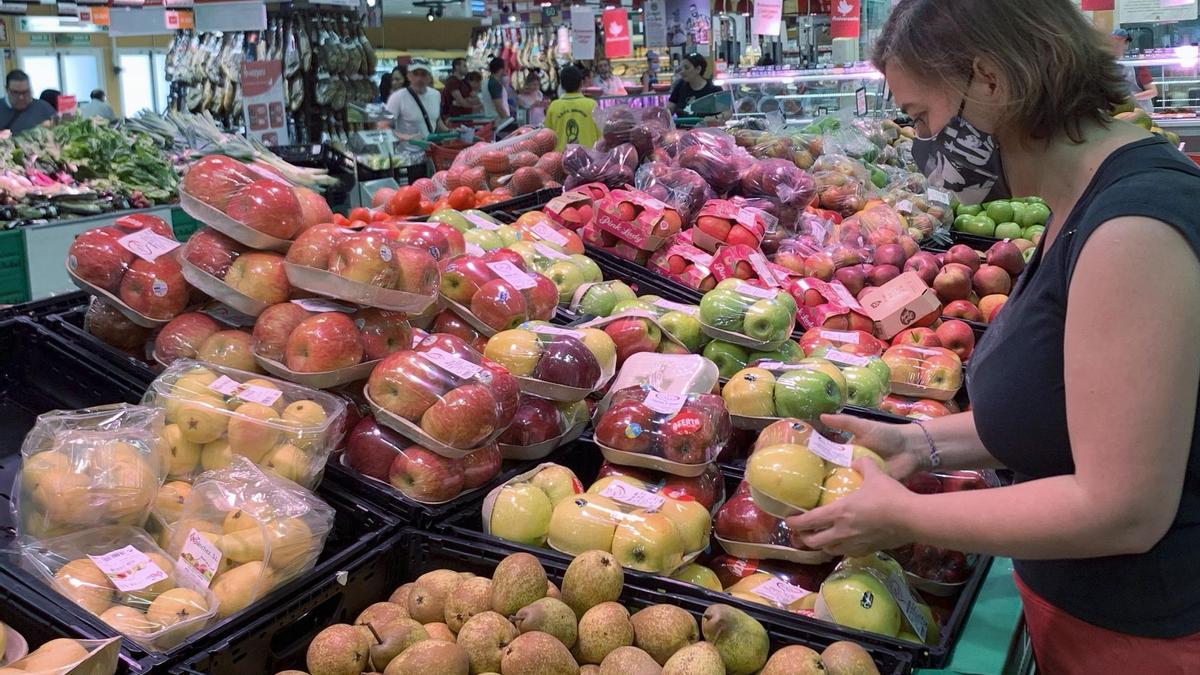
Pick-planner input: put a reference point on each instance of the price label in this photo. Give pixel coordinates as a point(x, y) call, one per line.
point(839, 356)
point(474, 249)
point(452, 364)
point(754, 291)
point(677, 307)
point(229, 316)
point(905, 207)
point(779, 592)
point(547, 233)
point(835, 453)
point(939, 196)
point(549, 252)
point(148, 244)
point(847, 337)
point(555, 330)
point(418, 337)
point(247, 392)
point(198, 561)
point(628, 494)
point(481, 222)
point(322, 305)
point(843, 294)
point(908, 606)
point(663, 403)
point(129, 569)
point(512, 274)
point(763, 270)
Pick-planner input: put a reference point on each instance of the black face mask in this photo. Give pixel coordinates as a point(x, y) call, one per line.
point(963, 160)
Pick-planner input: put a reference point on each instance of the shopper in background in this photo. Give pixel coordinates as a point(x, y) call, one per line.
point(19, 110)
point(97, 107)
point(494, 98)
point(50, 96)
point(530, 100)
point(650, 77)
point(475, 82)
point(418, 106)
point(570, 115)
point(692, 83)
point(1104, 519)
point(1141, 83)
point(456, 94)
point(610, 84)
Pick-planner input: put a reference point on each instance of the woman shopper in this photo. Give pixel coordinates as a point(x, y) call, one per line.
point(1104, 519)
point(692, 84)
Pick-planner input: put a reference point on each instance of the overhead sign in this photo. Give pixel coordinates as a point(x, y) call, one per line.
point(1154, 11)
point(617, 42)
point(768, 17)
point(654, 21)
point(845, 20)
point(179, 19)
point(583, 33)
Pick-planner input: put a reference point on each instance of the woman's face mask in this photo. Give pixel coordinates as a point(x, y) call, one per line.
point(963, 160)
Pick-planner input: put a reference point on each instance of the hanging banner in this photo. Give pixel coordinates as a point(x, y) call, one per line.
point(1097, 5)
point(768, 17)
point(1154, 11)
point(66, 104)
point(617, 43)
point(654, 17)
point(583, 33)
point(844, 21)
point(262, 102)
point(688, 20)
point(179, 19)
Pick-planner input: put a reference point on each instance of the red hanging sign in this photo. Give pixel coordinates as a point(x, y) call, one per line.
point(617, 43)
point(1098, 5)
point(845, 19)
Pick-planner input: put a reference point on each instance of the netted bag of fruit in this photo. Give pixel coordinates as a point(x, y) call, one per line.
point(870, 593)
point(214, 414)
point(496, 157)
point(663, 431)
point(682, 189)
point(119, 574)
point(88, 468)
point(246, 532)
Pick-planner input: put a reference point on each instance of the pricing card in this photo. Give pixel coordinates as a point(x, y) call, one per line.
point(634, 496)
point(452, 364)
point(129, 569)
point(148, 244)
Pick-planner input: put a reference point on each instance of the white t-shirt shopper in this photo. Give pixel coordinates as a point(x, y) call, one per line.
point(409, 120)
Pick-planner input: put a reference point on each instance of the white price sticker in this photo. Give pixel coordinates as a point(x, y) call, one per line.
point(762, 269)
point(512, 274)
point(664, 403)
point(779, 366)
point(247, 392)
point(754, 291)
point(549, 252)
point(555, 330)
point(939, 196)
point(229, 316)
point(481, 222)
point(848, 337)
point(835, 453)
point(418, 337)
point(198, 561)
point(905, 207)
point(473, 249)
point(779, 592)
point(129, 569)
point(322, 305)
point(677, 307)
point(148, 244)
point(908, 606)
point(452, 364)
point(547, 233)
point(625, 493)
point(845, 359)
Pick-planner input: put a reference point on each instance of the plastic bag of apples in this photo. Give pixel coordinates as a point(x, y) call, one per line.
point(743, 529)
point(247, 280)
point(682, 189)
point(496, 291)
point(675, 433)
point(924, 372)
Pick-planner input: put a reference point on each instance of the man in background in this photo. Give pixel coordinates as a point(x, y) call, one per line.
point(456, 92)
point(97, 107)
point(1142, 89)
point(20, 110)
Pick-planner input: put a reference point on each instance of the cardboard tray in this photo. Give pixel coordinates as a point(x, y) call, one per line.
point(222, 223)
point(742, 549)
point(115, 302)
point(327, 379)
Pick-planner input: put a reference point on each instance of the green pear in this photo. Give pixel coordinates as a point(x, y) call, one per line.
point(602, 629)
point(472, 597)
point(847, 658)
point(551, 616)
point(537, 653)
point(484, 637)
point(519, 580)
point(430, 656)
point(794, 660)
point(662, 630)
point(338, 650)
point(699, 659)
point(592, 578)
point(427, 600)
point(629, 661)
point(741, 640)
point(394, 635)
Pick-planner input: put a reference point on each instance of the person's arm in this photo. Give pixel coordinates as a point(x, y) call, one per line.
point(1146, 82)
point(674, 100)
point(1130, 416)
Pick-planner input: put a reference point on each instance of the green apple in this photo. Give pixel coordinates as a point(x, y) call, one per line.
point(598, 300)
point(791, 474)
point(487, 240)
point(591, 271)
point(806, 394)
point(767, 320)
point(683, 327)
point(648, 542)
point(788, 302)
point(979, 225)
point(1027, 255)
point(454, 219)
point(729, 358)
point(1039, 213)
point(1020, 214)
point(729, 284)
point(859, 600)
point(558, 482)
point(521, 514)
point(567, 278)
point(883, 564)
point(508, 234)
point(699, 576)
point(1034, 231)
point(750, 393)
point(692, 520)
point(1008, 231)
point(962, 222)
point(602, 347)
point(649, 299)
point(826, 366)
point(518, 350)
point(881, 370)
point(722, 308)
point(534, 261)
point(584, 523)
point(1000, 211)
point(626, 305)
point(1033, 200)
point(969, 210)
point(863, 386)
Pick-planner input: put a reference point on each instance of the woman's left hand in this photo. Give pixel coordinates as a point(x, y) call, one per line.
point(872, 518)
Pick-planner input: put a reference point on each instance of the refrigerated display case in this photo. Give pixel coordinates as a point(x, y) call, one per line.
point(1176, 74)
point(800, 96)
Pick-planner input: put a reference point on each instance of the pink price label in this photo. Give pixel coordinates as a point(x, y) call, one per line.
point(754, 291)
point(474, 249)
point(763, 270)
point(321, 305)
point(247, 392)
point(625, 493)
point(547, 233)
point(779, 592)
point(835, 453)
point(549, 252)
point(843, 294)
point(555, 330)
point(198, 561)
point(129, 569)
point(481, 222)
point(838, 356)
point(452, 364)
point(512, 274)
point(677, 307)
point(846, 337)
point(663, 403)
point(148, 244)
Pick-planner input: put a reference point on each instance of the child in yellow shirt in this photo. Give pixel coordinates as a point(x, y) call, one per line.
point(571, 115)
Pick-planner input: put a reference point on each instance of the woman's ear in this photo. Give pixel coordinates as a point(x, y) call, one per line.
point(987, 84)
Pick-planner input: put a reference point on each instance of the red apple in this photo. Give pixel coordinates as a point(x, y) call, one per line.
point(418, 270)
point(505, 254)
point(927, 409)
point(1007, 256)
point(891, 254)
point(542, 299)
point(739, 519)
point(963, 255)
point(962, 309)
point(990, 306)
point(924, 483)
point(314, 247)
point(156, 289)
point(924, 264)
point(407, 384)
point(952, 284)
point(717, 228)
point(482, 466)
point(451, 344)
point(462, 277)
point(450, 323)
point(427, 238)
point(854, 278)
point(687, 437)
point(267, 206)
point(181, 339)
point(706, 488)
point(992, 280)
point(212, 252)
point(820, 265)
point(463, 418)
point(426, 476)
point(97, 258)
point(627, 426)
point(371, 448)
point(536, 421)
point(506, 390)
point(383, 332)
point(922, 337)
point(215, 179)
point(957, 337)
point(314, 210)
point(499, 305)
point(879, 275)
point(112, 327)
point(273, 328)
point(633, 335)
point(324, 342)
point(260, 275)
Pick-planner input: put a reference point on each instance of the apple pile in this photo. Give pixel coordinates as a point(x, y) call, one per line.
point(458, 398)
point(583, 359)
point(318, 337)
point(255, 197)
point(763, 317)
point(133, 262)
point(1024, 218)
point(420, 474)
point(540, 421)
point(870, 593)
point(633, 217)
point(497, 290)
point(926, 372)
point(214, 413)
point(678, 321)
point(574, 208)
point(494, 164)
point(636, 331)
point(671, 430)
point(374, 255)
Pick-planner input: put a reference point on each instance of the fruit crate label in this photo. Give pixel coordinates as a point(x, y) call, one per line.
point(148, 244)
point(129, 569)
point(512, 274)
point(247, 392)
point(763, 270)
point(481, 222)
point(549, 252)
point(452, 364)
point(636, 497)
point(837, 453)
point(555, 330)
point(754, 291)
point(677, 307)
point(321, 305)
point(908, 606)
point(779, 591)
point(547, 233)
point(939, 196)
point(474, 249)
point(845, 337)
point(905, 207)
point(845, 359)
point(198, 561)
point(663, 403)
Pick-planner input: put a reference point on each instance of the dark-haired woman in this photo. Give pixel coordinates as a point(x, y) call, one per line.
point(693, 83)
point(1104, 519)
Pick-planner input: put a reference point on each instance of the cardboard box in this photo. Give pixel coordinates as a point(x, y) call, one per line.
point(899, 304)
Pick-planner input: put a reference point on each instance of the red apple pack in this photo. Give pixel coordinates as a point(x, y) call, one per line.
point(676, 433)
point(650, 226)
point(745, 226)
point(680, 261)
point(818, 301)
point(743, 262)
point(608, 242)
point(573, 209)
point(899, 304)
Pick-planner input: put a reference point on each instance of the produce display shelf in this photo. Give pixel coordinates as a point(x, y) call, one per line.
point(69, 326)
point(39, 310)
point(421, 552)
point(14, 268)
point(25, 612)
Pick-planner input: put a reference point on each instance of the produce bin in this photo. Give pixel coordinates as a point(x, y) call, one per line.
point(25, 612)
point(68, 325)
point(415, 552)
point(40, 309)
point(14, 267)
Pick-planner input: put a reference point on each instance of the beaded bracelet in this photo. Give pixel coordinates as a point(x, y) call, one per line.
point(935, 458)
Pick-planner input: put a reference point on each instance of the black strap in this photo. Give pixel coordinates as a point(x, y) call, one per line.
point(421, 107)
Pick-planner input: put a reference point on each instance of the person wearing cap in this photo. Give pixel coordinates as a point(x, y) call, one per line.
point(417, 106)
point(650, 77)
point(1141, 82)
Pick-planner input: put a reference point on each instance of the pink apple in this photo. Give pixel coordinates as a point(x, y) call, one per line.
point(990, 306)
point(273, 328)
point(407, 384)
point(741, 520)
point(96, 257)
point(451, 344)
point(366, 258)
point(383, 332)
point(633, 336)
point(957, 337)
point(260, 275)
point(963, 255)
point(1007, 256)
point(924, 264)
point(891, 254)
point(962, 309)
point(854, 278)
point(819, 265)
point(314, 247)
point(482, 466)
point(181, 339)
point(212, 252)
point(463, 418)
point(505, 389)
point(952, 284)
point(426, 476)
point(992, 280)
point(324, 342)
point(156, 289)
point(922, 337)
point(542, 299)
point(267, 206)
point(314, 210)
point(462, 277)
point(879, 275)
point(418, 270)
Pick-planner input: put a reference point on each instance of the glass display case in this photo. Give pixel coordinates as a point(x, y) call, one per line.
point(800, 96)
point(1175, 72)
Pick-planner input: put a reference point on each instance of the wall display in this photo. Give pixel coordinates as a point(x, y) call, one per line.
point(583, 33)
point(654, 18)
point(264, 103)
point(688, 21)
point(1154, 11)
point(617, 41)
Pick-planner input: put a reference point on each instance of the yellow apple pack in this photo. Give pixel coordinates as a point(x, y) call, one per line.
point(870, 593)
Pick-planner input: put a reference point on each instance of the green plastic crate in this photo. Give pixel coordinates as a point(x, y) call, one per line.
point(14, 268)
point(183, 224)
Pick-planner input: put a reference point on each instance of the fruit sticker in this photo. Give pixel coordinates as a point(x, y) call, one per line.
point(198, 560)
point(664, 403)
point(512, 274)
point(385, 253)
point(159, 288)
point(452, 364)
point(636, 497)
point(247, 392)
point(779, 592)
point(129, 569)
point(148, 244)
point(837, 453)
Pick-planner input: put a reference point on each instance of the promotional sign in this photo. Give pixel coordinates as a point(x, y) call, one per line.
point(262, 102)
point(179, 19)
point(1154, 11)
point(654, 18)
point(66, 103)
point(617, 43)
point(844, 21)
point(1098, 5)
point(688, 20)
point(583, 33)
point(768, 17)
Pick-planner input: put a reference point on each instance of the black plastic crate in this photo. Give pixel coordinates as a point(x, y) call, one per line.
point(39, 309)
point(422, 552)
point(68, 325)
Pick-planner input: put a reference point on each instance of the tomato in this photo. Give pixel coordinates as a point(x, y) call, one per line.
point(425, 207)
point(405, 202)
point(461, 198)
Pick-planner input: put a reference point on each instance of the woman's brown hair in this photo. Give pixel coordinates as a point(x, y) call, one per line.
point(1058, 68)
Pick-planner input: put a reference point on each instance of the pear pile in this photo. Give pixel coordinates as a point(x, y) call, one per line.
point(519, 623)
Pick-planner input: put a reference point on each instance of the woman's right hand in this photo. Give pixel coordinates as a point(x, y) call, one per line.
point(895, 443)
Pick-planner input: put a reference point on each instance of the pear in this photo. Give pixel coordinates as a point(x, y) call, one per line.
point(629, 661)
point(178, 605)
point(338, 650)
point(550, 616)
point(427, 600)
point(662, 630)
point(128, 620)
point(144, 596)
point(519, 580)
point(699, 659)
point(169, 501)
point(216, 455)
point(472, 597)
point(552, 591)
point(537, 653)
point(794, 660)
point(848, 658)
point(440, 631)
point(240, 586)
point(381, 612)
point(741, 640)
point(400, 595)
point(83, 582)
point(484, 637)
point(430, 656)
point(394, 635)
point(202, 419)
point(602, 629)
point(287, 461)
point(182, 455)
point(592, 578)
point(252, 433)
point(589, 669)
point(54, 655)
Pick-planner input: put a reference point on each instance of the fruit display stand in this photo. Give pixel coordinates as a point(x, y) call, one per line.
point(68, 324)
point(40, 309)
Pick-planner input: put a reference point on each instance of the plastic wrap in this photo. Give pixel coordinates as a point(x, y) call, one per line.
point(917, 408)
point(814, 250)
point(644, 128)
point(720, 222)
point(614, 168)
point(112, 327)
point(682, 189)
point(749, 315)
point(601, 298)
point(62, 656)
point(708, 489)
point(496, 291)
point(681, 261)
point(870, 593)
point(780, 181)
point(828, 305)
point(520, 510)
point(803, 471)
point(854, 142)
point(675, 433)
point(817, 341)
point(745, 530)
point(379, 453)
point(572, 209)
point(561, 364)
point(609, 243)
point(263, 530)
point(637, 331)
point(673, 374)
point(747, 263)
point(214, 414)
point(539, 142)
point(537, 227)
point(541, 425)
point(442, 239)
point(935, 570)
point(448, 322)
point(768, 390)
point(120, 575)
point(88, 468)
point(444, 395)
point(925, 372)
point(636, 218)
point(715, 157)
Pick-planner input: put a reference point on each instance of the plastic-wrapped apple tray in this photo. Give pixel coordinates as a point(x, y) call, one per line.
point(419, 552)
point(229, 227)
point(68, 325)
point(328, 284)
point(220, 291)
point(111, 299)
point(39, 372)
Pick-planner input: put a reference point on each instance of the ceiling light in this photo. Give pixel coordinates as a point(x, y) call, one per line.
point(429, 16)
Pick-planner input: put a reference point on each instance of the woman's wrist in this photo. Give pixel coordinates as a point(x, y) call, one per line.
point(918, 444)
